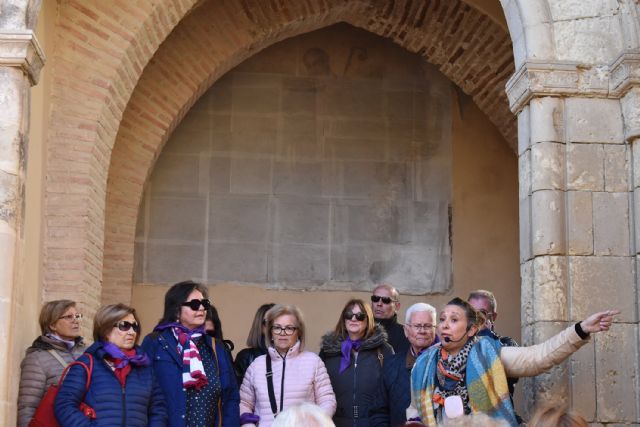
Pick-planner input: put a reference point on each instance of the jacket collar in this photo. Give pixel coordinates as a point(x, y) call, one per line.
point(331, 343)
point(292, 352)
point(170, 344)
point(46, 343)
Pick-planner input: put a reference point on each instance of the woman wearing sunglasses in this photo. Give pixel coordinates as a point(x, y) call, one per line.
point(297, 376)
point(354, 354)
point(123, 390)
point(193, 368)
point(59, 345)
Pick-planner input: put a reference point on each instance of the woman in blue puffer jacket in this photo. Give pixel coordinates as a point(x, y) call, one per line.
point(123, 390)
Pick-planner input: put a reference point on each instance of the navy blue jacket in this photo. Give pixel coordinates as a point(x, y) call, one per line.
point(394, 396)
point(139, 403)
point(167, 363)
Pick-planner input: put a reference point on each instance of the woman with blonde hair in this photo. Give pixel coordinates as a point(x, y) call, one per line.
point(354, 354)
point(123, 390)
point(59, 345)
point(285, 376)
point(556, 416)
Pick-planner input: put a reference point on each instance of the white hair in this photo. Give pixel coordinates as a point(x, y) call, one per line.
point(305, 414)
point(420, 307)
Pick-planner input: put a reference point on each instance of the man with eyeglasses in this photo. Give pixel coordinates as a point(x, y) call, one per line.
point(385, 304)
point(485, 302)
point(389, 407)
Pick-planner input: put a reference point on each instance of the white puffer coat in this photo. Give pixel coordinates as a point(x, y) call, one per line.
point(305, 380)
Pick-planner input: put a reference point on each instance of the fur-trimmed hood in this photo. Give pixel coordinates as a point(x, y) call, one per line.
point(331, 343)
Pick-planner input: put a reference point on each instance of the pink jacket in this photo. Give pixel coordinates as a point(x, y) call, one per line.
point(305, 380)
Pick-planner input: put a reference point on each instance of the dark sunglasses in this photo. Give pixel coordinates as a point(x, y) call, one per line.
point(359, 316)
point(385, 300)
point(124, 326)
point(195, 304)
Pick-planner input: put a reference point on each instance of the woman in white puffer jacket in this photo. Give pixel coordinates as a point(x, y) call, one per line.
point(298, 376)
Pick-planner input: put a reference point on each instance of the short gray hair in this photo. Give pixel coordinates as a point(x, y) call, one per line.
point(305, 414)
point(421, 307)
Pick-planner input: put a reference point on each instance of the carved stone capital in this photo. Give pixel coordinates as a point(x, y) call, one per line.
point(536, 79)
point(21, 49)
point(625, 74)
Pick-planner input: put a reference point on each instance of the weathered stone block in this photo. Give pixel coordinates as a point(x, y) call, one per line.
point(526, 250)
point(548, 222)
point(583, 371)
point(594, 120)
point(524, 173)
point(585, 167)
point(299, 124)
point(298, 178)
point(299, 96)
point(239, 218)
point(616, 168)
point(170, 263)
point(299, 147)
point(546, 116)
point(250, 176)
point(549, 288)
point(254, 142)
point(386, 181)
point(221, 142)
point(598, 283)
point(526, 292)
point(175, 173)
point(356, 128)
point(353, 98)
point(253, 123)
point(299, 220)
point(242, 262)
point(611, 237)
point(630, 104)
point(163, 212)
point(580, 222)
point(355, 149)
point(294, 262)
point(219, 174)
point(575, 9)
point(617, 367)
point(636, 219)
point(594, 40)
point(524, 130)
point(187, 141)
point(547, 166)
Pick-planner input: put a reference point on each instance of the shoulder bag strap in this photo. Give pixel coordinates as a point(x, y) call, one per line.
point(272, 394)
point(88, 369)
point(380, 357)
point(215, 355)
point(58, 357)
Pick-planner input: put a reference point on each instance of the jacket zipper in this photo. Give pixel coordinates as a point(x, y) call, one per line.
point(284, 365)
point(355, 415)
point(124, 408)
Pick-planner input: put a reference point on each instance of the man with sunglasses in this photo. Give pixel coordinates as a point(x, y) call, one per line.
point(385, 304)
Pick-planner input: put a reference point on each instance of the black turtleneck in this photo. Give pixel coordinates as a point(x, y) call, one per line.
point(395, 332)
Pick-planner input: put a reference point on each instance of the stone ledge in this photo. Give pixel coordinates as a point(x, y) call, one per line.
point(21, 49)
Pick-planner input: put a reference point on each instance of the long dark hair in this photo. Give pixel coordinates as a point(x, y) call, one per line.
point(176, 295)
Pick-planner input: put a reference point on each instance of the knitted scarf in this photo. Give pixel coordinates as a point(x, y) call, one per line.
point(485, 382)
point(193, 374)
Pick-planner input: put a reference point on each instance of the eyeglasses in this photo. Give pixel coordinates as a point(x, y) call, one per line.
point(125, 326)
point(359, 316)
point(385, 300)
point(195, 304)
point(422, 327)
point(287, 330)
point(71, 317)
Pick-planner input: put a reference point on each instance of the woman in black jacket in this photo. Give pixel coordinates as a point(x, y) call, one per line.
point(354, 354)
point(255, 341)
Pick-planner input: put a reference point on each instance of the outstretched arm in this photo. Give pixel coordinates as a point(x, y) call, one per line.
point(536, 359)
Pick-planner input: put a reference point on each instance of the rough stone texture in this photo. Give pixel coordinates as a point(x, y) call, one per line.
point(583, 371)
point(617, 374)
point(594, 120)
point(611, 237)
point(546, 116)
point(547, 166)
point(616, 168)
point(549, 288)
point(598, 280)
point(594, 40)
point(580, 222)
point(366, 200)
point(585, 167)
point(524, 130)
point(548, 222)
point(526, 250)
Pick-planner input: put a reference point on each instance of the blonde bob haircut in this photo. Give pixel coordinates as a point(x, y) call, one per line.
point(107, 316)
point(341, 330)
point(51, 313)
point(280, 310)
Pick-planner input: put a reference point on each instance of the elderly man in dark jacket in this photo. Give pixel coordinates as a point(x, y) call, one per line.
point(394, 396)
point(385, 304)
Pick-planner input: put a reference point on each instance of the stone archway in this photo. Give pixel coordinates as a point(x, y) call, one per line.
point(467, 46)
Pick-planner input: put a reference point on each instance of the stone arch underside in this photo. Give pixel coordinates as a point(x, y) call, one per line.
point(466, 45)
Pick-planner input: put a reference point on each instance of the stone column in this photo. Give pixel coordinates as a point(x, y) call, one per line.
point(577, 256)
point(20, 62)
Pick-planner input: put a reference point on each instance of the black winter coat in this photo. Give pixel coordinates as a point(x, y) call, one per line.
point(394, 396)
point(395, 334)
point(244, 359)
point(357, 386)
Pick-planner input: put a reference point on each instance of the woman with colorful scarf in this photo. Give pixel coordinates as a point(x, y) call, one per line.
point(123, 390)
point(193, 368)
point(354, 354)
point(466, 373)
point(59, 345)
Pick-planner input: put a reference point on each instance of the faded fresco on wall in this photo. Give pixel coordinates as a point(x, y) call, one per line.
point(323, 162)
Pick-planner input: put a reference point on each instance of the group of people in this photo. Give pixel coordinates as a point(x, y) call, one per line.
point(371, 370)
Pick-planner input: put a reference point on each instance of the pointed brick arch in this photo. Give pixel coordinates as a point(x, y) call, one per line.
point(466, 45)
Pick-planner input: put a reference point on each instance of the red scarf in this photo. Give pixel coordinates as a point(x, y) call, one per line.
point(121, 373)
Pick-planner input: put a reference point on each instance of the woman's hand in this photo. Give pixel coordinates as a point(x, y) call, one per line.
point(599, 322)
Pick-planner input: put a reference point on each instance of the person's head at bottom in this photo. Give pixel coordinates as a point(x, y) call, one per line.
point(556, 415)
point(304, 414)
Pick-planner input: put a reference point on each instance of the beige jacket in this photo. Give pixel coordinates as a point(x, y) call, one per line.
point(39, 370)
point(533, 360)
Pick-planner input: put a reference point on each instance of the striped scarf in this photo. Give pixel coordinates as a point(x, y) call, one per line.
point(193, 374)
point(485, 381)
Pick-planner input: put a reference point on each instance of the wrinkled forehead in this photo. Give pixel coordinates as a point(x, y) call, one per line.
point(452, 310)
point(422, 317)
point(481, 303)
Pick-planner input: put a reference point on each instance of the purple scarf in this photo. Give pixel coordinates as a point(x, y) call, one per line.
point(116, 353)
point(346, 347)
